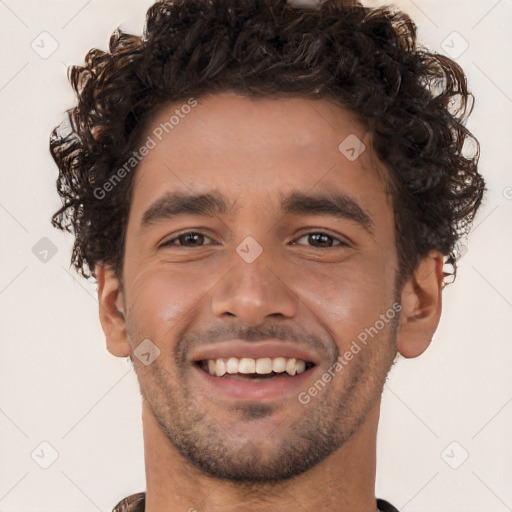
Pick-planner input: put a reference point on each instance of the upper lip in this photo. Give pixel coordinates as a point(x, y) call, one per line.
point(254, 349)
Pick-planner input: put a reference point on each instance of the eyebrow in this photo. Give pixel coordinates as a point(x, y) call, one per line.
point(337, 205)
point(180, 203)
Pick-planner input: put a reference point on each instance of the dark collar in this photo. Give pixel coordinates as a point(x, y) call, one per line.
point(137, 502)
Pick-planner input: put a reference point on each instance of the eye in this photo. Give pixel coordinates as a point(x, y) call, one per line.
point(193, 237)
point(319, 237)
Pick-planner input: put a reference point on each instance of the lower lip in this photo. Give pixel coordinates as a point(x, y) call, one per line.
point(277, 387)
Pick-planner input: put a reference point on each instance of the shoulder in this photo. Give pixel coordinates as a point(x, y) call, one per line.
point(133, 503)
point(384, 506)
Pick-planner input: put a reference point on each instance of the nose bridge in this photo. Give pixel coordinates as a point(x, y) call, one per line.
point(253, 288)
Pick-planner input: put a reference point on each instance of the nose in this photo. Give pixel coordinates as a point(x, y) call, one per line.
point(254, 291)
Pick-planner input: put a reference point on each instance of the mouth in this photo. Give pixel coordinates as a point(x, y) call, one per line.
point(253, 380)
point(266, 370)
point(260, 369)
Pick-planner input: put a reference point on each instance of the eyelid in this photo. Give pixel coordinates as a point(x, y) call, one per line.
point(320, 231)
point(310, 231)
point(175, 236)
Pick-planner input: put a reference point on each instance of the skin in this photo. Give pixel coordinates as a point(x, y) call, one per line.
point(205, 451)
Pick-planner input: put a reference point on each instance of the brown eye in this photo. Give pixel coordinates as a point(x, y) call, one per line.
point(322, 240)
point(188, 239)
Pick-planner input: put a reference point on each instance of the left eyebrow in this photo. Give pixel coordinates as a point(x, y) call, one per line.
point(334, 204)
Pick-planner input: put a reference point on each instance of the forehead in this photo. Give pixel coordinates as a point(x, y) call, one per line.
point(259, 149)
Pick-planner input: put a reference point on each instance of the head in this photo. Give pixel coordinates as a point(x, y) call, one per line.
point(200, 176)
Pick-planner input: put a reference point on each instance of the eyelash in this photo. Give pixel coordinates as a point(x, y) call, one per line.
point(169, 243)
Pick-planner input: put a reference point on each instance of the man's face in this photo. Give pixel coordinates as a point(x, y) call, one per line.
point(256, 282)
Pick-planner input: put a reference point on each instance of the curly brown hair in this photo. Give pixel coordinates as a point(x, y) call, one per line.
point(414, 102)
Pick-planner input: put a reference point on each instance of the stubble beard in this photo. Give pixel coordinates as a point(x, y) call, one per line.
point(298, 444)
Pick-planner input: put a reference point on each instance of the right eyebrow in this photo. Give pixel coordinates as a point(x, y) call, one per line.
point(180, 203)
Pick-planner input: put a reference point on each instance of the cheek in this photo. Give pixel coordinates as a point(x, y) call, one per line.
point(160, 302)
point(346, 301)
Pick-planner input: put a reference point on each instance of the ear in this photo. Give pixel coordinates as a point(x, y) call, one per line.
point(111, 311)
point(421, 306)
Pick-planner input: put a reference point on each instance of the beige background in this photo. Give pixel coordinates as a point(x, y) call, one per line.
point(59, 385)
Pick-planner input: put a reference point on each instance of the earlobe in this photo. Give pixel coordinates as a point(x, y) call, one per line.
point(421, 301)
point(111, 311)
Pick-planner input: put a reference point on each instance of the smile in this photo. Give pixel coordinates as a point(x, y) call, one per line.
point(262, 368)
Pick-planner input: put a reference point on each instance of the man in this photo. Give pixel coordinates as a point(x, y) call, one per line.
point(266, 196)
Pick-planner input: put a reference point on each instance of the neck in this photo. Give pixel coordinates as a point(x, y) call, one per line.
point(343, 482)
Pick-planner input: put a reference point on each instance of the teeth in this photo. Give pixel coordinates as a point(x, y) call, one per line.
point(279, 364)
point(232, 366)
point(300, 366)
point(220, 367)
point(290, 366)
point(246, 365)
point(262, 365)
